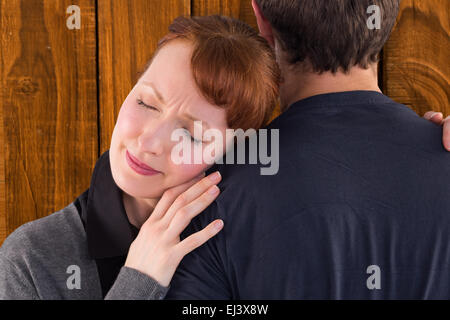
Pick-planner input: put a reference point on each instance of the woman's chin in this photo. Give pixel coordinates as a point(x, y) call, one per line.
point(141, 193)
point(132, 187)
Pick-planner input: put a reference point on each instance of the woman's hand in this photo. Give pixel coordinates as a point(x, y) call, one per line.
point(157, 250)
point(438, 118)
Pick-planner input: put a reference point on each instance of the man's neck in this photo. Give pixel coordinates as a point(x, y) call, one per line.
point(300, 85)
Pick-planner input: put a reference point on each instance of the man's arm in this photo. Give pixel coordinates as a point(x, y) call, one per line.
point(438, 118)
point(202, 273)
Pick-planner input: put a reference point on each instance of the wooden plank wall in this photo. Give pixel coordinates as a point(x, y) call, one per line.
point(416, 64)
point(128, 32)
point(48, 106)
point(234, 8)
point(62, 89)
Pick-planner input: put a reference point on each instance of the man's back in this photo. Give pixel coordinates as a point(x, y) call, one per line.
point(359, 209)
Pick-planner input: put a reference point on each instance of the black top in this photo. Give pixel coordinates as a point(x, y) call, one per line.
point(109, 233)
point(359, 209)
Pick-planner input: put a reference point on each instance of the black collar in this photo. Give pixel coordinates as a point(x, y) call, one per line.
point(109, 233)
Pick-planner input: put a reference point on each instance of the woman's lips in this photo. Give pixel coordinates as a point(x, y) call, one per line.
point(139, 167)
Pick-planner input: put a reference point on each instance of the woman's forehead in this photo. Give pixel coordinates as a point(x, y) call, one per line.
point(173, 59)
point(169, 78)
point(170, 71)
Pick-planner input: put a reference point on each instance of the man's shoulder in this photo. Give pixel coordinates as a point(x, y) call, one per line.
point(239, 186)
point(61, 231)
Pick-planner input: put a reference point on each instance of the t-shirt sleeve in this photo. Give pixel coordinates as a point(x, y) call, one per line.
point(202, 274)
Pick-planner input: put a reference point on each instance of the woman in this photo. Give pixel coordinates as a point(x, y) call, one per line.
point(120, 239)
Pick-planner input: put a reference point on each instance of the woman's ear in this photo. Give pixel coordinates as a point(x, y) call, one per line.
point(265, 29)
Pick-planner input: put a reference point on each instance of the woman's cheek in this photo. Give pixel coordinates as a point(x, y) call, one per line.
point(184, 172)
point(128, 121)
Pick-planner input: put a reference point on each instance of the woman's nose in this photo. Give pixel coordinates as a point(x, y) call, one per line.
point(152, 140)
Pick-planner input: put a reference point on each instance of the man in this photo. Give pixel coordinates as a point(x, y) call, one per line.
point(360, 206)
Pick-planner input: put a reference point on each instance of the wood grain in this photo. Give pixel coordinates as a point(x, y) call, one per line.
point(48, 106)
point(416, 64)
point(128, 34)
point(3, 229)
point(239, 9)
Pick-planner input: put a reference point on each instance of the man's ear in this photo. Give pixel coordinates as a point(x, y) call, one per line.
point(265, 29)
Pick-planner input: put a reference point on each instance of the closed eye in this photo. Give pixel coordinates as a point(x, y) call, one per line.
point(142, 103)
point(190, 136)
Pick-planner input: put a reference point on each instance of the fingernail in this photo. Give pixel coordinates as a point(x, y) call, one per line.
point(447, 145)
point(215, 177)
point(437, 113)
point(213, 190)
point(218, 225)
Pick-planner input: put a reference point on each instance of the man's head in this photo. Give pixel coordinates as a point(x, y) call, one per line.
point(325, 35)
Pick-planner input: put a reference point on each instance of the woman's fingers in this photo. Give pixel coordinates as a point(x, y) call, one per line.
point(433, 116)
point(190, 195)
point(446, 133)
point(438, 118)
point(197, 239)
point(170, 196)
point(185, 214)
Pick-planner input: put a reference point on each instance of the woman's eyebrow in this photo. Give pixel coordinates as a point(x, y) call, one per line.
point(156, 92)
point(161, 99)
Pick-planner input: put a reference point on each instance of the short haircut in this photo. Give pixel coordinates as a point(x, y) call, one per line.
point(329, 34)
point(232, 65)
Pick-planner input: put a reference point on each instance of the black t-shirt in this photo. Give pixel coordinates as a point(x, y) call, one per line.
point(359, 209)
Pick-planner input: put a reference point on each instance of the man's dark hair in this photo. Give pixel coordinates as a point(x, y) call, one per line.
point(330, 34)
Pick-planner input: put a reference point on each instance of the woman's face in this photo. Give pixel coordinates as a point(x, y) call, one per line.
point(163, 100)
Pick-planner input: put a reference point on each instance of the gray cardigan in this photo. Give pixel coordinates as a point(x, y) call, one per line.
point(48, 259)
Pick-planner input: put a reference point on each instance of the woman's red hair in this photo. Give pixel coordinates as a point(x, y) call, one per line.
point(232, 65)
